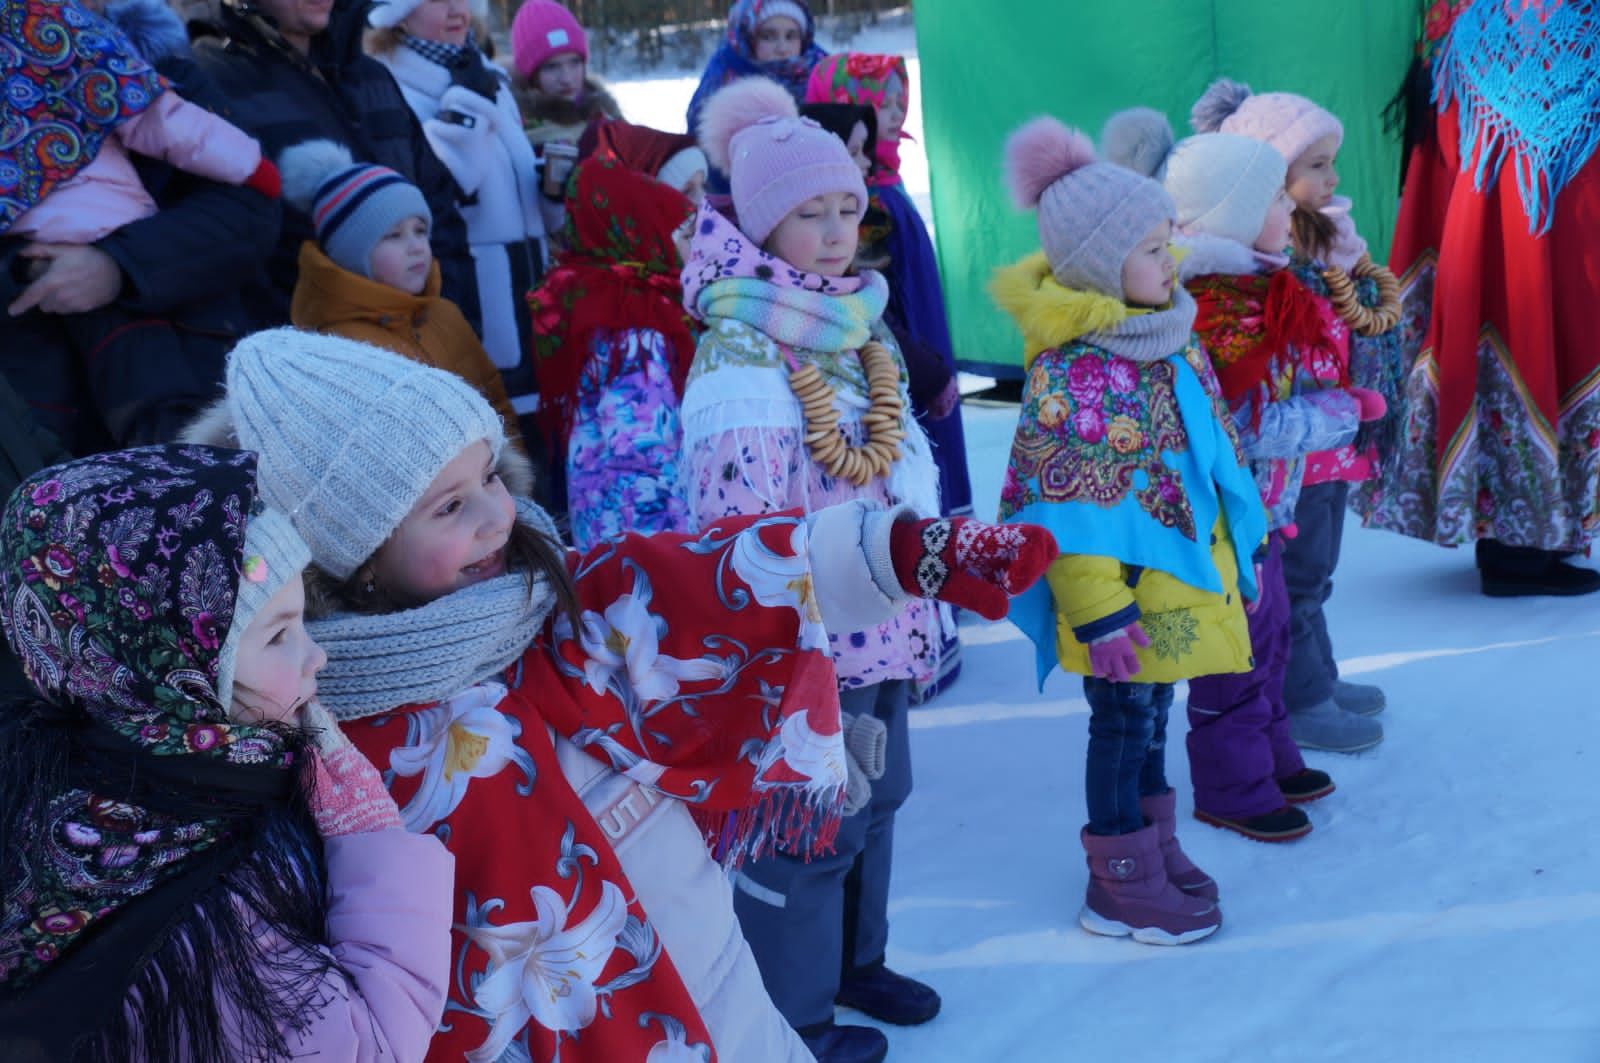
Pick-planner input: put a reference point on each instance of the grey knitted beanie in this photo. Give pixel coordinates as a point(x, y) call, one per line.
point(349, 436)
point(273, 555)
point(1092, 214)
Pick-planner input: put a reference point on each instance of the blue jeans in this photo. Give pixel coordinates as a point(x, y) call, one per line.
point(1127, 751)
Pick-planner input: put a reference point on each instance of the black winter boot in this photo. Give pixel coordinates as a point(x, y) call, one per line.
point(1523, 571)
point(886, 996)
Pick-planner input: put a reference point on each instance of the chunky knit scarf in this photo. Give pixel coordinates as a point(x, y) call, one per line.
point(435, 650)
point(729, 276)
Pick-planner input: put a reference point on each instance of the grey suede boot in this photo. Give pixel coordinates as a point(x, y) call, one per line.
point(1327, 727)
point(1130, 894)
point(1363, 699)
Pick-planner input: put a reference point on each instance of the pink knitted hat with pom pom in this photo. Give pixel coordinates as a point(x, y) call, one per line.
point(1091, 214)
point(1288, 122)
point(775, 160)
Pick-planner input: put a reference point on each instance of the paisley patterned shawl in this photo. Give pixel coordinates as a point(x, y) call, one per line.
point(699, 674)
point(127, 790)
point(69, 79)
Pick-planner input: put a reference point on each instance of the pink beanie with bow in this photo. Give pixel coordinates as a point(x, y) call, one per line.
point(1288, 122)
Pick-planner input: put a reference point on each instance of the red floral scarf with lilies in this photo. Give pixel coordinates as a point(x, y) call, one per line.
point(698, 672)
point(620, 272)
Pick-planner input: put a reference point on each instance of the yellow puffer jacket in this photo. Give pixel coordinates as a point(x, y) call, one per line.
point(1192, 632)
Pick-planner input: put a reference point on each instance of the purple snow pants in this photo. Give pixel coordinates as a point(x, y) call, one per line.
point(1239, 744)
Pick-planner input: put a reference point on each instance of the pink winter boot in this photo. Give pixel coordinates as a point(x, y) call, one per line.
point(1162, 811)
point(1130, 894)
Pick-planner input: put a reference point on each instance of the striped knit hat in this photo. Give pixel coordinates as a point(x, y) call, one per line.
point(352, 205)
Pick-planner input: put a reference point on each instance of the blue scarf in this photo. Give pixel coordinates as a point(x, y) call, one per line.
point(1525, 89)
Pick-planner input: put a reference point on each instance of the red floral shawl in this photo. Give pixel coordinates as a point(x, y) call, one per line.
point(1246, 320)
point(620, 272)
point(700, 672)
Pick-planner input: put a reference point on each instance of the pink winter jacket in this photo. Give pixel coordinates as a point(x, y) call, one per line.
point(107, 194)
point(389, 909)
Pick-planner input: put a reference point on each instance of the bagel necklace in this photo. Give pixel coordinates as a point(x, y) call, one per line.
point(1365, 320)
point(825, 439)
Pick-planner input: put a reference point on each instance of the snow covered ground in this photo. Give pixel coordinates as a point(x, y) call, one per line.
point(1446, 907)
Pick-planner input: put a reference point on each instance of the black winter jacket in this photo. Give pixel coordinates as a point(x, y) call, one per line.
point(337, 93)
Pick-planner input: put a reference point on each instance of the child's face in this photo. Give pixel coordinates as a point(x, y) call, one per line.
point(892, 111)
point(454, 536)
point(275, 673)
point(820, 235)
point(445, 21)
point(402, 258)
point(1312, 178)
point(858, 148)
point(779, 38)
point(562, 76)
point(1148, 273)
point(1274, 235)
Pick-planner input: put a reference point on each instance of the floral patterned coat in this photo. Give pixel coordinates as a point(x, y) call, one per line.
point(576, 790)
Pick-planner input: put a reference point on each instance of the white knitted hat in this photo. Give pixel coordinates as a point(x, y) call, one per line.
point(273, 555)
point(349, 436)
point(1224, 184)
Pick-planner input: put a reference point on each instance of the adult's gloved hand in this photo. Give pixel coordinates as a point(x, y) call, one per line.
point(969, 563)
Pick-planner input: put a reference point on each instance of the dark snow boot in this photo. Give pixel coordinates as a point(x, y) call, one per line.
point(1305, 785)
point(1284, 825)
point(1162, 810)
point(832, 1043)
point(886, 996)
point(1523, 571)
point(1130, 895)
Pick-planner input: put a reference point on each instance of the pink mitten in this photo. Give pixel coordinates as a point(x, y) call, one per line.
point(1372, 404)
point(969, 563)
point(350, 797)
point(1113, 656)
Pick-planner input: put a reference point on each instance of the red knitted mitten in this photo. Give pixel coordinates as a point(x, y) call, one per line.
point(969, 563)
point(265, 180)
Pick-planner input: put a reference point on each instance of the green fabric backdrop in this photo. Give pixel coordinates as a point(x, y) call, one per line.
point(988, 65)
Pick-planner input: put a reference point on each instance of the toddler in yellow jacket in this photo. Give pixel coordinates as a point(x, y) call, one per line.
point(1123, 450)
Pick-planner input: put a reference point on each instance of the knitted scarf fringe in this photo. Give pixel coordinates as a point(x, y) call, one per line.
point(1538, 105)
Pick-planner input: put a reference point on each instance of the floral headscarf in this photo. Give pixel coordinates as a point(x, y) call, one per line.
point(621, 272)
point(127, 789)
point(70, 78)
point(860, 78)
point(736, 58)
